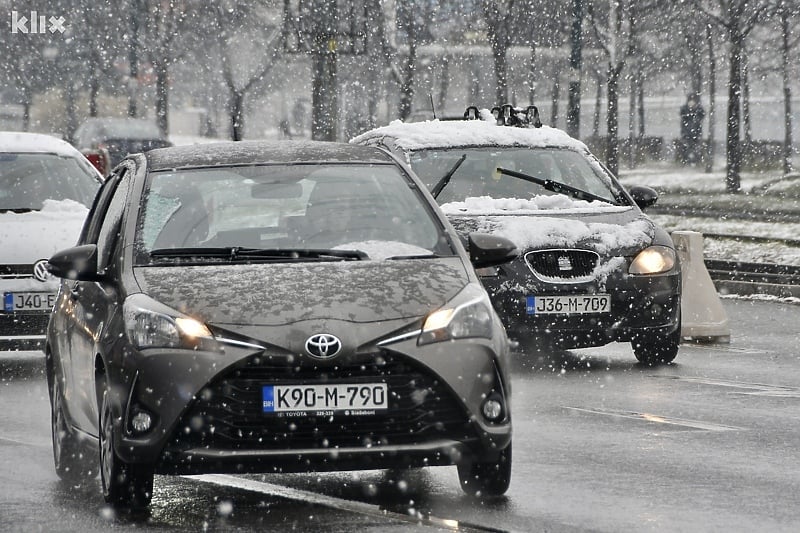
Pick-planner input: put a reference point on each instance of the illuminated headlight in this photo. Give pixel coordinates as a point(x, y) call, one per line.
point(149, 328)
point(472, 318)
point(653, 260)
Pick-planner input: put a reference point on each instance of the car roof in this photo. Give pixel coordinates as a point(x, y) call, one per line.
point(256, 152)
point(21, 142)
point(463, 133)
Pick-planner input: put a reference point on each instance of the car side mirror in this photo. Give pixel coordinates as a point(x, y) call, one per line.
point(77, 263)
point(644, 197)
point(487, 250)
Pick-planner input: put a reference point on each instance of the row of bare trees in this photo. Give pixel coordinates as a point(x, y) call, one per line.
point(237, 46)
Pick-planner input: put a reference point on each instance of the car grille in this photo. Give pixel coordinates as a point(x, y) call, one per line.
point(23, 324)
point(566, 264)
point(16, 271)
point(227, 414)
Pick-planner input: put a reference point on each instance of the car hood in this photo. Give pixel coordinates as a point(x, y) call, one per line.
point(29, 237)
point(270, 294)
point(610, 232)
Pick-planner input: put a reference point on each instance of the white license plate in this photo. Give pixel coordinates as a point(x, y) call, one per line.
point(362, 398)
point(28, 301)
point(568, 305)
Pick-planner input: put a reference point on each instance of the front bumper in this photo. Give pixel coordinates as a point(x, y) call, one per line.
point(208, 417)
point(23, 331)
point(640, 306)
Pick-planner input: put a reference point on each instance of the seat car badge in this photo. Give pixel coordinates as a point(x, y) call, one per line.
point(564, 263)
point(40, 272)
point(323, 345)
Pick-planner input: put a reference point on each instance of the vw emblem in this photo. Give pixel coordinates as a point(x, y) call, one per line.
point(40, 270)
point(323, 345)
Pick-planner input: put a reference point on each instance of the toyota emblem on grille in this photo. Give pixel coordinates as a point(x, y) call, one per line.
point(40, 270)
point(323, 345)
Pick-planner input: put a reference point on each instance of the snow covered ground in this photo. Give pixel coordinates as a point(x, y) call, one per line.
point(761, 193)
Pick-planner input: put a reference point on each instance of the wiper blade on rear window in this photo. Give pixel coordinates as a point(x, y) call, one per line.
point(235, 253)
point(555, 186)
point(442, 183)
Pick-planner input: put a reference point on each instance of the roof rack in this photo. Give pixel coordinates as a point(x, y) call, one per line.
point(508, 115)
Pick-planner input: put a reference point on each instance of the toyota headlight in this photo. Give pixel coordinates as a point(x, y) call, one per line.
point(149, 324)
point(653, 260)
point(468, 315)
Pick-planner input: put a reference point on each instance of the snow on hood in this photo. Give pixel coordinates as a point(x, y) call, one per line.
point(485, 205)
point(452, 133)
point(270, 294)
point(611, 233)
point(27, 237)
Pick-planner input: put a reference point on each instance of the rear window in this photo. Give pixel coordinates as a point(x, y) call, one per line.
point(27, 180)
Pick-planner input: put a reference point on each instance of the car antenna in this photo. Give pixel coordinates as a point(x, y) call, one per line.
point(433, 108)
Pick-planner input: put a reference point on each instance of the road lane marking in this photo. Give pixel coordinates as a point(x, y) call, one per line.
point(367, 509)
point(23, 443)
point(651, 417)
point(725, 348)
point(759, 389)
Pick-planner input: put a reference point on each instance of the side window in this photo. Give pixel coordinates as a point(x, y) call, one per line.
point(97, 212)
point(112, 224)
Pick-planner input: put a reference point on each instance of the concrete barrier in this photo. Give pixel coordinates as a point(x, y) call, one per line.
point(703, 318)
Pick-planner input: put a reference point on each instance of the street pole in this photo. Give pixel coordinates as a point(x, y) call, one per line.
point(574, 90)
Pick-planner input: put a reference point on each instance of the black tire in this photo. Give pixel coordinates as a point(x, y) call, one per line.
point(73, 462)
point(124, 484)
point(491, 478)
point(657, 350)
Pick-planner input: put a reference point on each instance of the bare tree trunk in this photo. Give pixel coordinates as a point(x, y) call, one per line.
point(236, 115)
point(733, 146)
point(787, 90)
point(532, 75)
point(612, 121)
point(162, 96)
point(556, 94)
point(712, 99)
point(746, 122)
point(632, 148)
point(640, 106)
point(407, 85)
point(444, 82)
point(500, 74)
point(598, 100)
point(324, 106)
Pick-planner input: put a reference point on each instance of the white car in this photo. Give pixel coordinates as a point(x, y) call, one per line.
point(46, 189)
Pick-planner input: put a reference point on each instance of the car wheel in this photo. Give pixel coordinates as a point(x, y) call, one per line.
point(124, 484)
point(491, 478)
point(73, 463)
point(657, 350)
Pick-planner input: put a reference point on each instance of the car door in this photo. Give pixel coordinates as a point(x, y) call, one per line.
point(93, 301)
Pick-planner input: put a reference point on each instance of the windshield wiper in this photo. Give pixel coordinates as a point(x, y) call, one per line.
point(555, 186)
point(235, 253)
point(442, 183)
point(415, 256)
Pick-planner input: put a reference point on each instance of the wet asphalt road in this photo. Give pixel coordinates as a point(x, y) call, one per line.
point(600, 444)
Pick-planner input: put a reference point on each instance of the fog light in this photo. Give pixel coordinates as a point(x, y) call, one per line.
point(141, 422)
point(492, 409)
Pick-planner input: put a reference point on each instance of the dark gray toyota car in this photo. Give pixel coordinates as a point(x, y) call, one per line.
point(274, 307)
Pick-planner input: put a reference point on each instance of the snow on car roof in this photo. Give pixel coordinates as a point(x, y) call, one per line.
point(19, 142)
point(452, 133)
